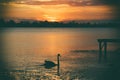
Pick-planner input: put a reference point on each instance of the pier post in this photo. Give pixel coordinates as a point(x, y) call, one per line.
point(104, 46)
point(100, 51)
point(105, 51)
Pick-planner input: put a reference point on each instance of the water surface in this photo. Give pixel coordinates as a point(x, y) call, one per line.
point(27, 47)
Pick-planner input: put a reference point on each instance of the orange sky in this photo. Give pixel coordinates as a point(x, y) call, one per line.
point(58, 10)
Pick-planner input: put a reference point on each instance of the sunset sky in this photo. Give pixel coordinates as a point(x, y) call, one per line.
point(58, 10)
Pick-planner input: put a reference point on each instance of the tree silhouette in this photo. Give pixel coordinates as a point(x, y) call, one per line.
point(71, 24)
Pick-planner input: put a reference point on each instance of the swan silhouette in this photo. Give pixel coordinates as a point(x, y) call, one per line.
point(49, 64)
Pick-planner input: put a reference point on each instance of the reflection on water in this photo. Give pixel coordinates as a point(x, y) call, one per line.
point(26, 49)
point(54, 40)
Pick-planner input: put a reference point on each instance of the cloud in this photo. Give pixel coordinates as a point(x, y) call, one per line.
point(3, 8)
point(68, 2)
point(58, 2)
point(4, 1)
point(115, 5)
point(111, 2)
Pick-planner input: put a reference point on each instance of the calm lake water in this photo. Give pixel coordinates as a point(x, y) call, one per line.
point(26, 48)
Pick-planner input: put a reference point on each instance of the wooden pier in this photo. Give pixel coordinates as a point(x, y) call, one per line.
point(103, 45)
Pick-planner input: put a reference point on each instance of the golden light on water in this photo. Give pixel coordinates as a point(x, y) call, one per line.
point(52, 43)
point(49, 41)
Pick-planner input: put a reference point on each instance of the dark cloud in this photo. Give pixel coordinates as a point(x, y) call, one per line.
point(3, 8)
point(5, 1)
point(111, 2)
point(115, 5)
point(56, 2)
point(70, 2)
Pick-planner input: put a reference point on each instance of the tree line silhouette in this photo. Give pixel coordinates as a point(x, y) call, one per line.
point(71, 24)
